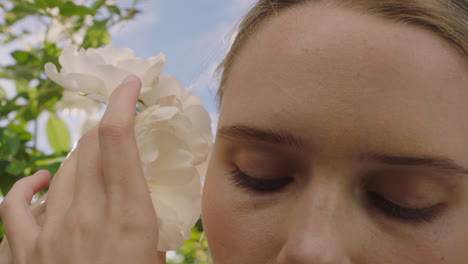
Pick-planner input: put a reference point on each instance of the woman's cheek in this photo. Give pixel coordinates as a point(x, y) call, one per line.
point(448, 243)
point(218, 220)
point(443, 242)
point(238, 229)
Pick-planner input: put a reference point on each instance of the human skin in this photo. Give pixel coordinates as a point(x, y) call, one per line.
point(345, 83)
point(95, 213)
point(37, 210)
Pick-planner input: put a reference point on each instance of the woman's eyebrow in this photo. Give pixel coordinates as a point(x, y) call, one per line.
point(272, 136)
point(442, 163)
point(283, 137)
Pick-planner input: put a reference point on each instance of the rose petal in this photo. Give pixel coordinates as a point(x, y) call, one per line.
point(150, 77)
point(136, 66)
point(73, 61)
point(51, 71)
point(113, 55)
point(201, 120)
point(167, 86)
point(186, 207)
point(82, 83)
point(174, 160)
point(188, 99)
point(72, 101)
point(112, 76)
point(148, 149)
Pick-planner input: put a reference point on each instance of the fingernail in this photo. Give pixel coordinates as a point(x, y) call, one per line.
point(131, 79)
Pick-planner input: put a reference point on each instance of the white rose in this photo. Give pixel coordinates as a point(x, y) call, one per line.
point(73, 102)
point(173, 149)
point(97, 72)
point(173, 130)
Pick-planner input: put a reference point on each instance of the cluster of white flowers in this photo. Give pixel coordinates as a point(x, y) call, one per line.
point(173, 129)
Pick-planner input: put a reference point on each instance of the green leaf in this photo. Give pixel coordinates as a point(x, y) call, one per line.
point(98, 4)
point(5, 75)
point(7, 182)
point(69, 9)
point(17, 168)
point(51, 52)
point(52, 167)
point(24, 58)
point(58, 134)
point(97, 35)
point(113, 9)
point(22, 86)
point(43, 4)
point(2, 231)
point(53, 3)
point(19, 12)
point(11, 143)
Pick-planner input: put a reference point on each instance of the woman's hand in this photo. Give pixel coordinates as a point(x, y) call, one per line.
point(37, 210)
point(99, 209)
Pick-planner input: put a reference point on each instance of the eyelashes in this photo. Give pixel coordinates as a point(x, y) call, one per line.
point(242, 180)
point(425, 214)
point(389, 208)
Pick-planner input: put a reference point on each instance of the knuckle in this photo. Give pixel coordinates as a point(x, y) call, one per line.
point(20, 185)
point(113, 129)
point(128, 226)
point(130, 221)
point(6, 206)
point(83, 223)
point(8, 202)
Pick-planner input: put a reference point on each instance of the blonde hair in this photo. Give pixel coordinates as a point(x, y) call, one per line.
point(446, 18)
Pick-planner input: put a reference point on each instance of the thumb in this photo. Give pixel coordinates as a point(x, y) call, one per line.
point(161, 257)
point(20, 224)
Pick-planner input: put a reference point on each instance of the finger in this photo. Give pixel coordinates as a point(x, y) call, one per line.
point(37, 210)
point(89, 181)
point(161, 257)
point(20, 225)
point(5, 252)
point(62, 188)
point(120, 160)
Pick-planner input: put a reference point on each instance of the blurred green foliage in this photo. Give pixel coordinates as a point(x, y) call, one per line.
point(63, 22)
point(195, 250)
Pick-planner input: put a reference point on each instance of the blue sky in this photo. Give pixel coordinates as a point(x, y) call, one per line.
point(194, 36)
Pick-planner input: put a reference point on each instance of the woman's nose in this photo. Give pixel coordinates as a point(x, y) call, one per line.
point(315, 227)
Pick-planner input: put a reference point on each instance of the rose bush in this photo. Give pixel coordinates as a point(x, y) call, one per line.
point(173, 129)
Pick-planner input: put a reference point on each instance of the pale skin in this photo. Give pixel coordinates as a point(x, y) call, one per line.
point(337, 85)
point(95, 212)
point(345, 83)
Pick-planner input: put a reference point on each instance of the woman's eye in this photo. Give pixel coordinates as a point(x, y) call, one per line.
point(264, 185)
point(426, 214)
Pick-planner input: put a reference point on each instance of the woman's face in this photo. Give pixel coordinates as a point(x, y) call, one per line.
point(342, 138)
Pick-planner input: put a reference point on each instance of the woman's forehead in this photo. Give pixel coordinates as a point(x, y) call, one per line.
point(321, 73)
